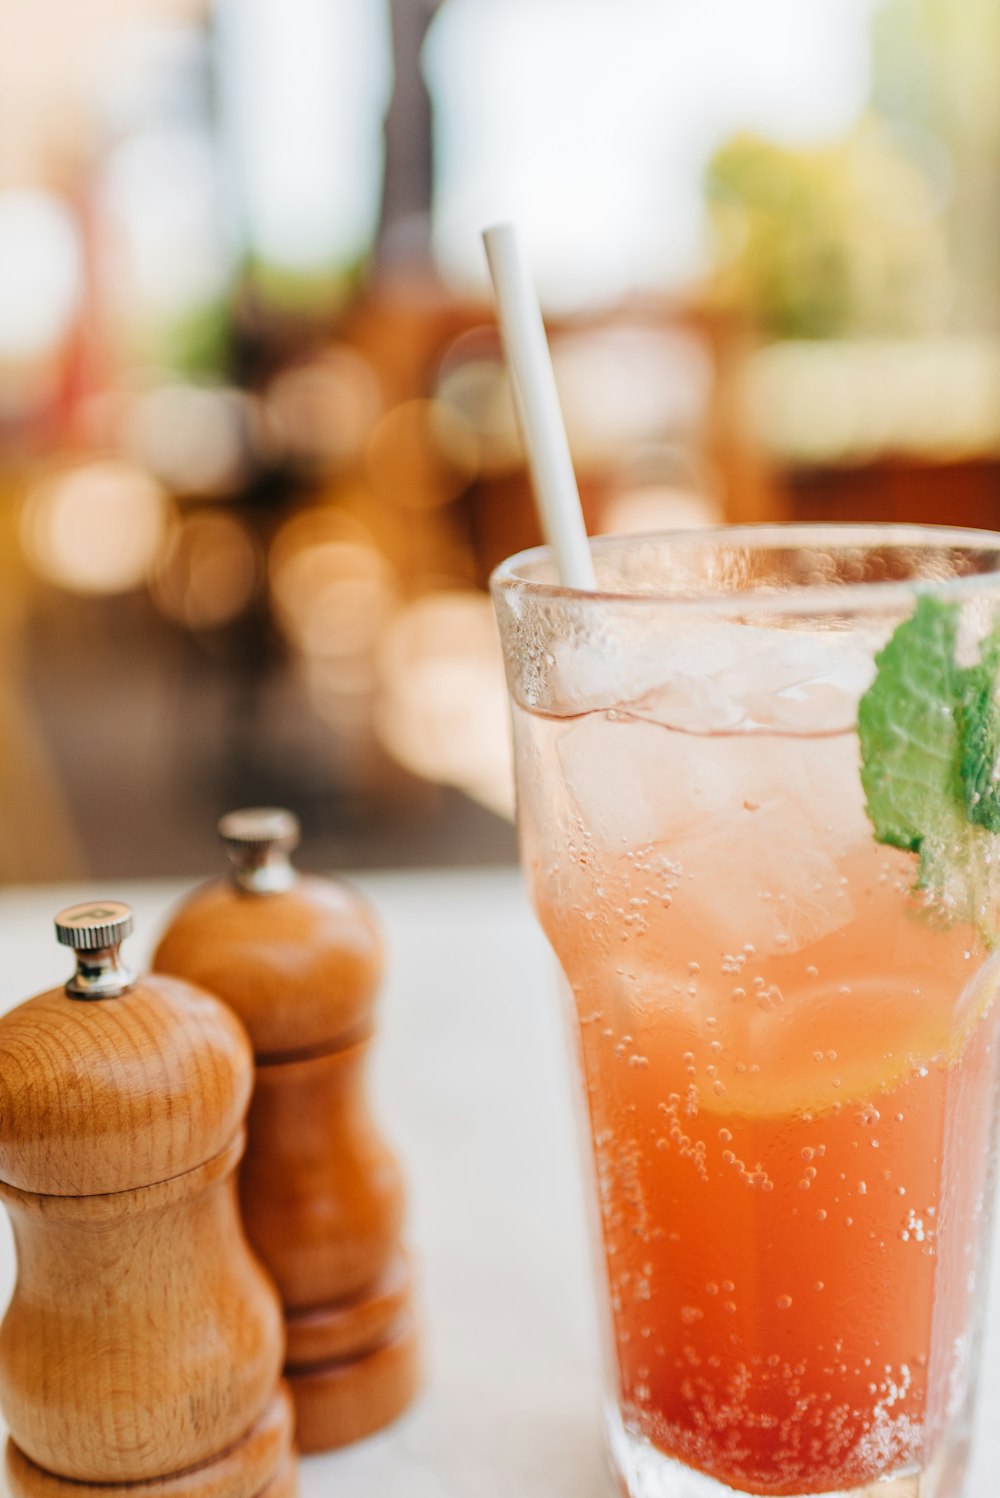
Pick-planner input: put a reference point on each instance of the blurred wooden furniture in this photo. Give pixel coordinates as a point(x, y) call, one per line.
point(40, 838)
point(960, 492)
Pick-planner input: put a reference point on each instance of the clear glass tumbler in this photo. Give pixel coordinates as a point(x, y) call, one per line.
point(759, 813)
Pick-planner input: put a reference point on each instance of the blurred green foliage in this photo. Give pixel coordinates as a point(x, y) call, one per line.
point(935, 71)
point(828, 241)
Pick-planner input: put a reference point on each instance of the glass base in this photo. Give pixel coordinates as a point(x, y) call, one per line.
point(642, 1471)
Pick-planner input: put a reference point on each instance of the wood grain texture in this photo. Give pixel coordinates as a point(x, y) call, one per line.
point(142, 1338)
point(353, 1327)
point(329, 1228)
point(109, 1095)
point(300, 968)
point(261, 1464)
point(337, 1403)
point(321, 1194)
point(320, 1191)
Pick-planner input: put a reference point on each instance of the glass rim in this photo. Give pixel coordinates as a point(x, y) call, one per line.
point(513, 574)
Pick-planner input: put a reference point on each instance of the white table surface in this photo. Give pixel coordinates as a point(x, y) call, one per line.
point(471, 1085)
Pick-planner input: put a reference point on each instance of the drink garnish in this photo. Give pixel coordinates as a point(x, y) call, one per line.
point(929, 731)
point(979, 731)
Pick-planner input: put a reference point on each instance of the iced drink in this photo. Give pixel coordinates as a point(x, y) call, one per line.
point(783, 992)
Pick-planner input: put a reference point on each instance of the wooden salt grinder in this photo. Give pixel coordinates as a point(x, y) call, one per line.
point(299, 960)
point(141, 1351)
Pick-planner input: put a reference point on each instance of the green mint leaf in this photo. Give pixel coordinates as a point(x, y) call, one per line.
point(929, 732)
point(908, 733)
point(979, 733)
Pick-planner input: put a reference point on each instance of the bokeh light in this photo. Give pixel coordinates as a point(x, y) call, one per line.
point(422, 454)
point(208, 572)
point(816, 402)
point(303, 89)
point(662, 486)
point(624, 385)
point(95, 527)
point(332, 589)
point(41, 296)
point(472, 382)
point(41, 272)
point(442, 711)
point(197, 439)
point(658, 507)
point(164, 252)
point(321, 411)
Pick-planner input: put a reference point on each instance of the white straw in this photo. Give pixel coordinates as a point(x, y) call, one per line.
point(538, 411)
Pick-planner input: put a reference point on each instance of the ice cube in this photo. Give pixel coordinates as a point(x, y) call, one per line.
point(626, 665)
point(632, 782)
point(759, 862)
point(768, 679)
point(752, 825)
point(709, 680)
point(737, 766)
point(811, 683)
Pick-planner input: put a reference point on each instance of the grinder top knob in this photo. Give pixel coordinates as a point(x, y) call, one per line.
point(95, 931)
point(258, 841)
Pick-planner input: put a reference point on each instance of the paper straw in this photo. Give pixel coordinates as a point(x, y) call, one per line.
point(538, 411)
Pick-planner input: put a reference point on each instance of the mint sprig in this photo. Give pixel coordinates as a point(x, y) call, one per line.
point(930, 748)
point(979, 734)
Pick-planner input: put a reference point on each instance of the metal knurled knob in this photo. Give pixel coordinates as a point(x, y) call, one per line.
point(94, 927)
point(258, 840)
point(95, 931)
point(259, 829)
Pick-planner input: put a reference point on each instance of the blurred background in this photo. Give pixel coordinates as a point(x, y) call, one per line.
point(257, 450)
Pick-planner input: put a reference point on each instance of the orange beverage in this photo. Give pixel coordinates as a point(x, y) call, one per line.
point(788, 1049)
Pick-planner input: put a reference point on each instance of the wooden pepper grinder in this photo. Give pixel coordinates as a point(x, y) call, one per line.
point(142, 1347)
point(299, 960)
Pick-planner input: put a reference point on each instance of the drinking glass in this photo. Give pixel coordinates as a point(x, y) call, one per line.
point(758, 812)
